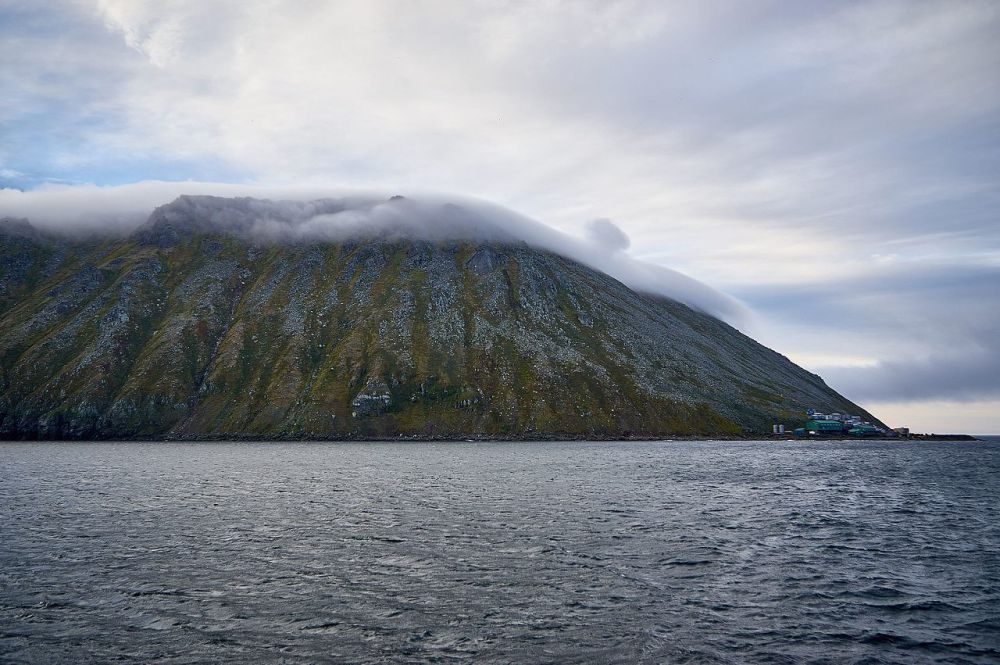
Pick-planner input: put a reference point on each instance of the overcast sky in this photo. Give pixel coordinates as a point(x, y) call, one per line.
point(833, 165)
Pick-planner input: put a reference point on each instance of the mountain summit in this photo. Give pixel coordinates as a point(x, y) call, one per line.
point(217, 318)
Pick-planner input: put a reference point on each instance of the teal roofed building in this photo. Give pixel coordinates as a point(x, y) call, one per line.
point(824, 426)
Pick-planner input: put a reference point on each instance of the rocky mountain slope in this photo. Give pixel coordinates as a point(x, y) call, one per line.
point(188, 328)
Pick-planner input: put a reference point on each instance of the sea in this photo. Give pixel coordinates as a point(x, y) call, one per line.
point(571, 552)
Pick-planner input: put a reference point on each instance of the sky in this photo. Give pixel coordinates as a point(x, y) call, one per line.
point(833, 166)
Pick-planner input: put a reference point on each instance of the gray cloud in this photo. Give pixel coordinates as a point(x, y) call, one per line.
point(605, 233)
point(971, 373)
point(938, 326)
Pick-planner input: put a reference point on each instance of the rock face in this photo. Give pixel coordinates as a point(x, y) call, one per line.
point(186, 330)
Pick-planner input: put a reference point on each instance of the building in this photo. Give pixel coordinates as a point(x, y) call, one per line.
point(824, 426)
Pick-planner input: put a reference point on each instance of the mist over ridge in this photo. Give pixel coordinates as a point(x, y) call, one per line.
point(305, 215)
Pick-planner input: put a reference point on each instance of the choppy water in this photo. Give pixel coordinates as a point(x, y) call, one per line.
point(676, 552)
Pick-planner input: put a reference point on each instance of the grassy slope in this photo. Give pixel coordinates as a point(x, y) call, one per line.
point(217, 337)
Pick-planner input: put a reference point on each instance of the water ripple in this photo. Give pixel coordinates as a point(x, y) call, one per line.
point(679, 552)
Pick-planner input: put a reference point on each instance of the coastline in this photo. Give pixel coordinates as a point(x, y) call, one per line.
point(473, 438)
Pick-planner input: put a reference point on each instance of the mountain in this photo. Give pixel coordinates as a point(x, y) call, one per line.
point(199, 325)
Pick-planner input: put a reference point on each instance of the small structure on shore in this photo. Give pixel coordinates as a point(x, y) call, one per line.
point(833, 424)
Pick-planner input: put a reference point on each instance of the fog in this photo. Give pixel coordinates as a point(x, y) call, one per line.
point(313, 215)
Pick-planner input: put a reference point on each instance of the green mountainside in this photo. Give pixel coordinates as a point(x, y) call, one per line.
point(188, 330)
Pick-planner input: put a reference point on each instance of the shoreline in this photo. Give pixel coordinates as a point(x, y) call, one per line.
point(535, 438)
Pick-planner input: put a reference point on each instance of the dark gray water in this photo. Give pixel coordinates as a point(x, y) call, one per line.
point(675, 552)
